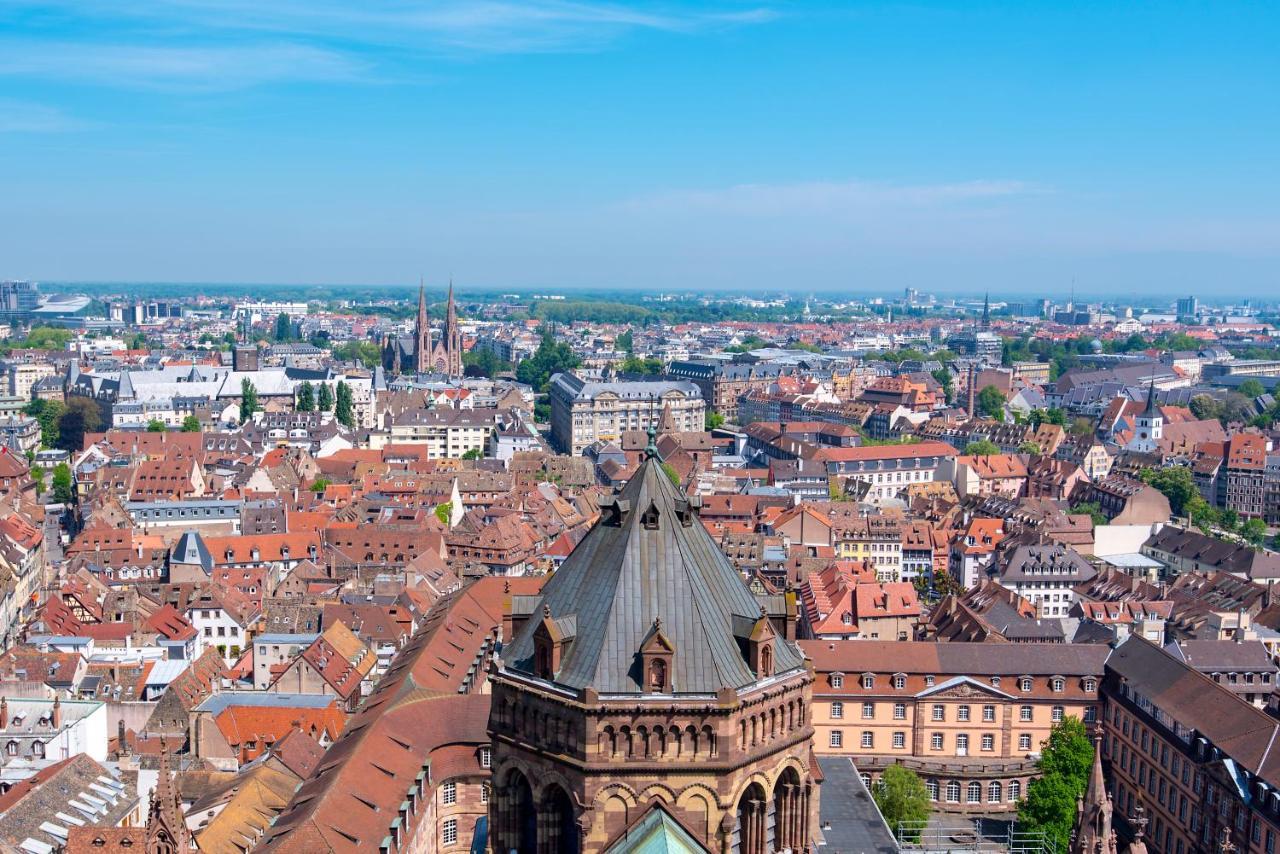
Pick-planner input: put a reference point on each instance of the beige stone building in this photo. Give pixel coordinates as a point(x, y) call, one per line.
point(969, 718)
point(585, 412)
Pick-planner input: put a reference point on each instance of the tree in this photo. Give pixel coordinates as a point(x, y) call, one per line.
point(981, 448)
point(443, 512)
point(672, 474)
point(991, 402)
point(1028, 447)
point(1081, 427)
point(319, 485)
point(712, 420)
point(342, 407)
point(284, 327)
point(903, 800)
point(1177, 484)
point(306, 401)
point(645, 367)
point(82, 416)
point(1205, 407)
point(64, 490)
point(1254, 531)
point(483, 363)
point(1236, 407)
point(47, 412)
point(472, 454)
point(1092, 510)
point(625, 342)
point(1065, 763)
point(155, 425)
point(248, 400)
point(47, 338)
point(552, 357)
point(365, 353)
point(191, 424)
point(1251, 389)
point(324, 398)
point(943, 376)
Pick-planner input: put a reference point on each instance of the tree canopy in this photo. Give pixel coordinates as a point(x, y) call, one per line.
point(552, 357)
point(981, 448)
point(155, 425)
point(343, 405)
point(1050, 802)
point(903, 800)
point(248, 399)
point(306, 398)
point(324, 398)
point(991, 402)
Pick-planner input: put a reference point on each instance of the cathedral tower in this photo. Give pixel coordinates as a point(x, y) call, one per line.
point(644, 685)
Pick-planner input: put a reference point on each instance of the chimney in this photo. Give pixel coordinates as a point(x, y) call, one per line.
point(4, 713)
point(122, 745)
point(55, 718)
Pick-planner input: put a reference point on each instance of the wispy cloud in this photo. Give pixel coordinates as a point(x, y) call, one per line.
point(825, 197)
point(220, 43)
point(161, 67)
point(27, 117)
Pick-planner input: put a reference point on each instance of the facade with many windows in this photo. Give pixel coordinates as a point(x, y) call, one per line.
point(1200, 760)
point(969, 718)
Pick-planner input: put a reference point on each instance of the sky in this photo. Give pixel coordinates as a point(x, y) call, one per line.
point(1125, 148)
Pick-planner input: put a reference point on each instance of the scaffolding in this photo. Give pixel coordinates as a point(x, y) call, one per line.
point(995, 836)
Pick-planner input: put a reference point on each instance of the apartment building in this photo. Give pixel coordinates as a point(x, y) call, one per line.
point(969, 718)
point(886, 470)
point(447, 433)
point(585, 412)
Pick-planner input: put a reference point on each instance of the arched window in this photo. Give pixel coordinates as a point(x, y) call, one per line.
point(953, 792)
point(975, 793)
point(932, 787)
point(1015, 791)
point(994, 792)
point(766, 661)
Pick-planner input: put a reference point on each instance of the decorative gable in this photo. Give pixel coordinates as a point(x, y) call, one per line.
point(657, 654)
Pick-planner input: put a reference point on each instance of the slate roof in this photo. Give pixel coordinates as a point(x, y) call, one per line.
point(625, 574)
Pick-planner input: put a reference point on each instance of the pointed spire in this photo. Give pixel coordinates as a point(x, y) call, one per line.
point(422, 331)
point(986, 310)
point(1151, 396)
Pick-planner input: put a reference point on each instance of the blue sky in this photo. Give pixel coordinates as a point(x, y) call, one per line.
point(857, 146)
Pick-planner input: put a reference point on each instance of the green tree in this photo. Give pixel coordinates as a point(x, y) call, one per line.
point(483, 363)
point(1081, 427)
point(1251, 389)
point(1205, 407)
point(712, 420)
point(64, 490)
point(903, 800)
point(991, 402)
point(1092, 510)
point(1254, 531)
point(943, 376)
point(364, 353)
point(47, 412)
point(981, 448)
point(1028, 447)
point(248, 400)
point(319, 485)
point(155, 425)
point(1177, 484)
point(472, 454)
point(672, 474)
point(625, 342)
point(342, 407)
point(1050, 803)
point(191, 424)
point(82, 416)
point(443, 512)
point(306, 397)
point(552, 357)
point(284, 327)
point(47, 338)
point(644, 367)
point(324, 398)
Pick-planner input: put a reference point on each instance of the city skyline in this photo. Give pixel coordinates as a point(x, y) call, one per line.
point(947, 147)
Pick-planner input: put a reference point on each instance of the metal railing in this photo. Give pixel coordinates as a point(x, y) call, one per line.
point(996, 836)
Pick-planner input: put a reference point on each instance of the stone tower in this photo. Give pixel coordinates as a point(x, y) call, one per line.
point(422, 335)
point(646, 682)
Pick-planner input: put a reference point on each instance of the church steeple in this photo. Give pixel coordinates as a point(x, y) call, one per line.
point(1093, 823)
point(986, 310)
point(166, 829)
point(422, 333)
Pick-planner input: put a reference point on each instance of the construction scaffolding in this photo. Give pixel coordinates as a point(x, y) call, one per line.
point(996, 836)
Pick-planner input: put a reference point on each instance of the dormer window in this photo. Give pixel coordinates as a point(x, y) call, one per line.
point(1058, 683)
point(1091, 685)
point(899, 681)
point(868, 681)
point(649, 519)
point(657, 655)
point(837, 680)
point(1024, 684)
